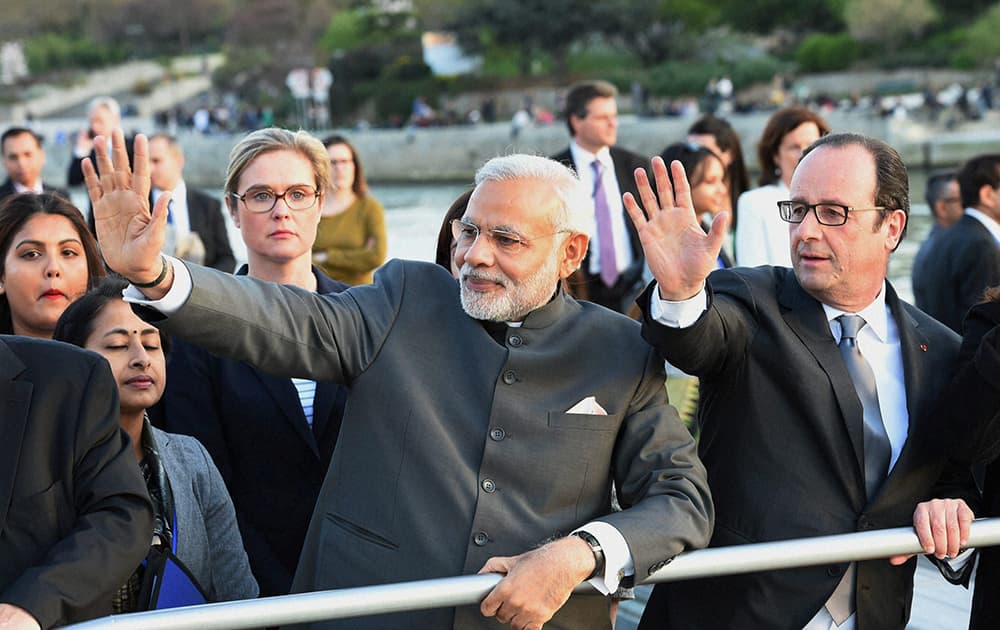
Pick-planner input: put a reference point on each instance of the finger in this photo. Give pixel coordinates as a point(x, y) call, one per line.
point(898, 560)
point(682, 188)
point(140, 177)
point(939, 531)
point(161, 209)
point(496, 564)
point(105, 169)
point(664, 189)
point(717, 233)
point(649, 201)
point(922, 527)
point(634, 211)
point(491, 603)
point(954, 531)
point(119, 157)
point(965, 518)
point(94, 190)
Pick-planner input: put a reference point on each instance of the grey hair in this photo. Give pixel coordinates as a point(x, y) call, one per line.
point(576, 211)
point(107, 102)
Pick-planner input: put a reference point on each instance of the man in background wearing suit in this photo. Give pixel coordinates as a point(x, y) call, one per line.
point(196, 220)
point(468, 444)
point(24, 159)
point(945, 202)
point(75, 516)
point(611, 274)
point(966, 257)
point(817, 383)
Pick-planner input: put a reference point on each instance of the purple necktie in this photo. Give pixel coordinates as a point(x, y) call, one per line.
point(605, 237)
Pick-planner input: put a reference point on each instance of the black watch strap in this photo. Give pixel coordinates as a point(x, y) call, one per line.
point(595, 546)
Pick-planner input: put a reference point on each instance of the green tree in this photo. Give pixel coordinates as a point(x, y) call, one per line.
point(982, 45)
point(887, 22)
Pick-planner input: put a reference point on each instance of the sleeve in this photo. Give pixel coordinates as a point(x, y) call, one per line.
point(365, 258)
point(224, 259)
point(718, 338)
point(288, 331)
point(661, 483)
point(751, 240)
point(231, 575)
point(113, 516)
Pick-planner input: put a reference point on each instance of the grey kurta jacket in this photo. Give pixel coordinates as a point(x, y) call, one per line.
point(454, 447)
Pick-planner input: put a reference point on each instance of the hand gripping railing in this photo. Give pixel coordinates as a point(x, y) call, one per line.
point(471, 589)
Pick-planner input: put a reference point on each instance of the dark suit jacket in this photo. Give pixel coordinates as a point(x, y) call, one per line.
point(271, 460)
point(962, 262)
point(972, 407)
point(781, 437)
point(455, 447)
point(205, 214)
point(8, 189)
point(75, 519)
point(588, 286)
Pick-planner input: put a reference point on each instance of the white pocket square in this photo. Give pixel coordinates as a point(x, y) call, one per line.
point(588, 406)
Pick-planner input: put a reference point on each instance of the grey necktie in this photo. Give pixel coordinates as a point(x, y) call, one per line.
point(877, 449)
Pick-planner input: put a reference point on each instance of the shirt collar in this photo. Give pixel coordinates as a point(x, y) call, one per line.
point(38, 189)
point(582, 156)
point(988, 222)
point(875, 315)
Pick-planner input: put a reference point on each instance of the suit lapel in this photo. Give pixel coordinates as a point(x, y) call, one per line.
point(15, 402)
point(806, 318)
point(195, 215)
point(287, 398)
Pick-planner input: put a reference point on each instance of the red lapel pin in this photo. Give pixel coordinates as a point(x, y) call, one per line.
point(923, 347)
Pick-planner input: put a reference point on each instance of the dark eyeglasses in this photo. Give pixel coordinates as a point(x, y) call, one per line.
point(261, 200)
point(826, 213)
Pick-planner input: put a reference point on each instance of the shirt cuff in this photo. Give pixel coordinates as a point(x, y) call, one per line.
point(677, 314)
point(175, 298)
point(618, 561)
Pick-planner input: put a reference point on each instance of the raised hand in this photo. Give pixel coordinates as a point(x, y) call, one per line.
point(130, 236)
point(677, 250)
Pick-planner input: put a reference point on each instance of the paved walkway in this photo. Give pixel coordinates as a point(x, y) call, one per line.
point(936, 603)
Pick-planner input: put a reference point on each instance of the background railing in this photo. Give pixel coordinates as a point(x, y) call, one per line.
point(471, 589)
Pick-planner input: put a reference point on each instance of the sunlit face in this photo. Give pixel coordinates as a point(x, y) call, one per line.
point(342, 167)
point(842, 266)
point(498, 286)
point(45, 269)
point(710, 194)
point(23, 159)
point(132, 347)
point(166, 164)
point(599, 128)
point(103, 121)
point(281, 235)
point(792, 145)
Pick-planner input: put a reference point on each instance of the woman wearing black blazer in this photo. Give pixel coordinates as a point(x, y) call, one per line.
point(270, 437)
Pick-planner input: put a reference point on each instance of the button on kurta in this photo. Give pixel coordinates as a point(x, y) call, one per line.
point(489, 485)
point(509, 377)
point(515, 340)
point(497, 434)
point(480, 538)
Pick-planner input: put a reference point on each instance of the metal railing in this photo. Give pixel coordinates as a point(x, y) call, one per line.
point(471, 589)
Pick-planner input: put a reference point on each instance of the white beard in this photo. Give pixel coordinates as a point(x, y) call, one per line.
point(513, 302)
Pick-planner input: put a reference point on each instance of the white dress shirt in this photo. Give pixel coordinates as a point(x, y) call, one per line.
point(623, 246)
point(761, 234)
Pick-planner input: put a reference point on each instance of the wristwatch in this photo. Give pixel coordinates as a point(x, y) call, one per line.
point(595, 546)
